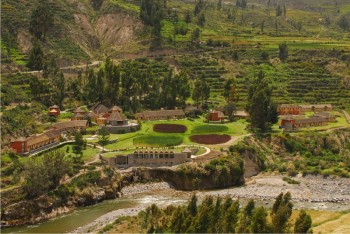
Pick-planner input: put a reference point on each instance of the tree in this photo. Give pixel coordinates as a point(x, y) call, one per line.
point(265, 55)
point(195, 35)
point(278, 10)
point(284, 10)
point(283, 51)
point(188, 17)
point(36, 57)
point(241, 3)
point(44, 173)
point(192, 205)
point(152, 13)
point(201, 91)
point(56, 165)
point(103, 136)
point(41, 20)
point(201, 20)
point(260, 107)
point(36, 180)
point(78, 143)
point(199, 7)
point(230, 91)
point(259, 221)
point(219, 4)
point(96, 4)
point(344, 22)
point(262, 25)
point(230, 109)
point(281, 213)
point(303, 223)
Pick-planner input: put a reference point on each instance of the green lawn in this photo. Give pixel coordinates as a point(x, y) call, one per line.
point(210, 129)
point(158, 140)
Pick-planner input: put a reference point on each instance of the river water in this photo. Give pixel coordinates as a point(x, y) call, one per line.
point(82, 216)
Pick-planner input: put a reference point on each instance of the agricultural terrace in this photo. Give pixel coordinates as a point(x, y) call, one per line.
point(210, 139)
point(169, 128)
point(147, 137)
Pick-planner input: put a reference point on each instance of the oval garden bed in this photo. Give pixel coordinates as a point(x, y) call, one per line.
point(210, 139)
point(170, 128)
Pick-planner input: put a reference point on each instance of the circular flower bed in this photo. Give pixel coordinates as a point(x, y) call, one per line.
point(169, 128)
point(210, 139)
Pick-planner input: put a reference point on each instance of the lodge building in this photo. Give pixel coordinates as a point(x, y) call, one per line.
point(27, 145)
point(54, 111)
point(150, 158)
point(160, 115)
point(287, 109)
point(46, 139)
point(216, 116)
point(291, 123)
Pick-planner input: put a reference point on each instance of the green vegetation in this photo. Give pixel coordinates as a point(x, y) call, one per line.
point(217, 173)
point(210, 129)
point(44, 173)
point(290, 180)
point(157, 140)
point(262, 111)
point(308, 152)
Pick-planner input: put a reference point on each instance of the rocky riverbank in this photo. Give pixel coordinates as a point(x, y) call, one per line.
point(310, 189)
point(142, 188)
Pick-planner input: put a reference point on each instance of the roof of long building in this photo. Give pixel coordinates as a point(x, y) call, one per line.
point(161, 113)
point(70, 124)
point(35, 139)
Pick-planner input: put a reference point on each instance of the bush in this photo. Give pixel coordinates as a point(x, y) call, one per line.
point(290, 180)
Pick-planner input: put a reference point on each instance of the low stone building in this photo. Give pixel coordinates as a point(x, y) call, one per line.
point(291, 123)
point(316, 107)
point(216, 116)
point(35, 142)
point(160, 115)
point(54, 110)
point(287, 109)
point(328, 116)
point(290, 109)
point(149, 158)
point(240, 114)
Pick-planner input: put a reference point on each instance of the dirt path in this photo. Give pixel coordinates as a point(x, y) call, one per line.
point(94, 63)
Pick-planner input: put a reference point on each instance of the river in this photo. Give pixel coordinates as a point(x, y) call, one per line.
point(270, 186)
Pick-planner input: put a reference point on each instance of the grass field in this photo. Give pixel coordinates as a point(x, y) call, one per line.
point(210, 129)
point(158, 140)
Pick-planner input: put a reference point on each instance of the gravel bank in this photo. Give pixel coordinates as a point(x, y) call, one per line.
point(108, 218)
point(142, 188)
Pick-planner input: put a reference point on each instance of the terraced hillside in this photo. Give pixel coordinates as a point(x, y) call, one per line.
point(210, 69)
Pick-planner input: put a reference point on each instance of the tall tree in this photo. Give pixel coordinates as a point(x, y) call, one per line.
point(36, 57)
point(283, 51)
point(260, 107)
point(78, 143)
point(41, 21)
point(192, 205)
point(201, 20)
point(259, 221)
point(303, 223)
point(281, 213)
point(96, 4)
point(152, 13)
point(103, 136)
